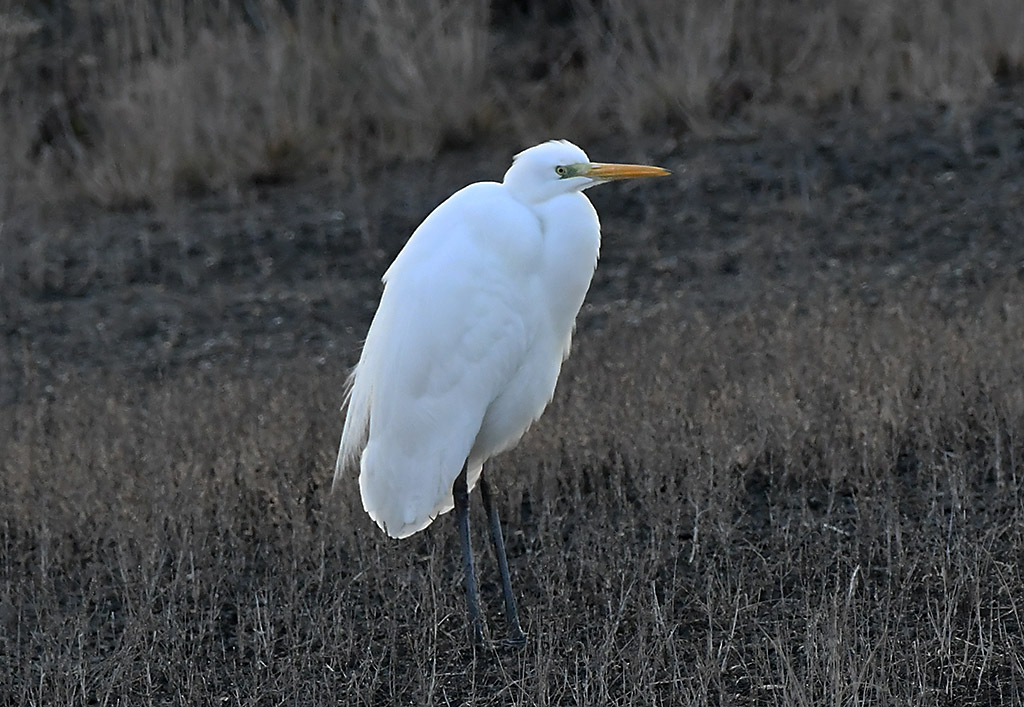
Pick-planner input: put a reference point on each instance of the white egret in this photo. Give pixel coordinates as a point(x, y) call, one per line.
point(464, 351)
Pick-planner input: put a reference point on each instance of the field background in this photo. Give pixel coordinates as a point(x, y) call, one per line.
point(783, 465)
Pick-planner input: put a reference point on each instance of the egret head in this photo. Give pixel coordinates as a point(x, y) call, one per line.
point(557, 167)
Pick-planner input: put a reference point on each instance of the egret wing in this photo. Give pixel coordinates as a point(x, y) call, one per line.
point(448, 336)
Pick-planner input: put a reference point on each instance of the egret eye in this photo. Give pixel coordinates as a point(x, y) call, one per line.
point(562, 171)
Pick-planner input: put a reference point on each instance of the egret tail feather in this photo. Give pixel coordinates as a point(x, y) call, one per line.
point(357, 424)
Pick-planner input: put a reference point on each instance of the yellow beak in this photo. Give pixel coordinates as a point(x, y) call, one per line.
point(608, 172)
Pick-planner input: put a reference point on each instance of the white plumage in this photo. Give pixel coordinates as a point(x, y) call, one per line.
point(475, 320)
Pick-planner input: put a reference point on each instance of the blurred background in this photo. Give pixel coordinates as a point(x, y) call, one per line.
point(138, 103)
point(168, 165)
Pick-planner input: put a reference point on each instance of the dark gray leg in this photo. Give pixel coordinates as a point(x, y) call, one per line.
point(460, 490)
point(511, 614)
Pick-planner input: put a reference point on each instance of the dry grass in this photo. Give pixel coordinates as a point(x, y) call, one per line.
point(807, 504)
point(176, 97)
point(136, 102)
point(693, 62)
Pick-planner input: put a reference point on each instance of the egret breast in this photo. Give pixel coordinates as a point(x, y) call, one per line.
point(552, 295)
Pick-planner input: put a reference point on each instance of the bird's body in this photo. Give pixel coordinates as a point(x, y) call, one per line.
point(474, 323)
point(439, 390)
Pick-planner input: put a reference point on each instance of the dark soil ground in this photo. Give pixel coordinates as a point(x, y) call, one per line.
point(782, 467)
point(294, 270)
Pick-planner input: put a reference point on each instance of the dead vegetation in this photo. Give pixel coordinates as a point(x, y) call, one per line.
point(810, 504)
point(133, 103)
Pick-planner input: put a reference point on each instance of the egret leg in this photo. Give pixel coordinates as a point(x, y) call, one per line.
point(518, 637)
point(460, 491)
